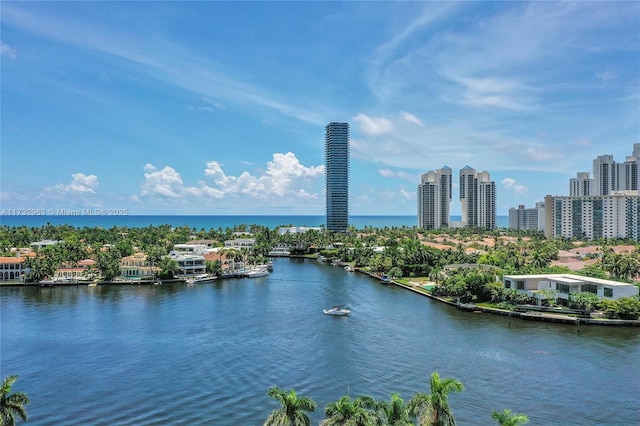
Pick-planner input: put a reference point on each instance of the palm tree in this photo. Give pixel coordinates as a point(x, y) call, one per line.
point(433, 409)
point(292, 408)
point(230, 256)
point(394, 412)
point(13, 404)
point(507, 418)
point(348, 412)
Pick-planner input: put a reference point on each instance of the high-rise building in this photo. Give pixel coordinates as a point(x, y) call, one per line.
point(605, 175)
point(610, 176)
point(336, 149)
point(527, 219)
point(616, 215)
point(580, 185)
point(434, 198)
point(478, 198)
point(628, 176)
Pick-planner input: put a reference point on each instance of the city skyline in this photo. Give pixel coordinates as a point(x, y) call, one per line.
point(219, 107)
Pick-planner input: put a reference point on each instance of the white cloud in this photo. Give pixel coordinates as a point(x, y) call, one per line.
point(407, 116)
point(386, 173)
point(373, 125)
point(582, 142)
point(79, 184)
point(512, 184)
point(80, 192)
point(541, 153)
point(5, 50)
point(166, 183)
point(284, 180)
point(214, 103)
point(493, 92)
point(406, 195)
point(606, 75)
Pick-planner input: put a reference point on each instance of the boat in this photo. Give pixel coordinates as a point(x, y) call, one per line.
point(322, 258)
point(279, 252)
point(258, 271)
point(349, 268)
point(385, 279)
point(337, 311)
point(201, 279)
point(270, 265)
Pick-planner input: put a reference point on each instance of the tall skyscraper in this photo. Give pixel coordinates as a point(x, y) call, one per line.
point(580, 185)
point(605, 175)
point(628, 173)
point(336, 150)
point(478, 198)
point(434, 198)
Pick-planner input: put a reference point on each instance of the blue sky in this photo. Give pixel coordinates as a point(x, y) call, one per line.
point(220, 107)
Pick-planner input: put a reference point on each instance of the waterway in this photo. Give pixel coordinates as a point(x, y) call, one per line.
point(206, 354)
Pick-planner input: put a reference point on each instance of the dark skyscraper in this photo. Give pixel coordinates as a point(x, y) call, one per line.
point(336, 148)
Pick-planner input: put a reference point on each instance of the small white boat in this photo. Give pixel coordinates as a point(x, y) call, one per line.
point(349, 268)
point(336, 310)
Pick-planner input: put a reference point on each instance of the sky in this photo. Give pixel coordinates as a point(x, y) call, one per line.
point(220, 108)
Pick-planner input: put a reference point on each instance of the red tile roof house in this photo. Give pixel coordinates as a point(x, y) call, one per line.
point(12, 269)
point(69, 272)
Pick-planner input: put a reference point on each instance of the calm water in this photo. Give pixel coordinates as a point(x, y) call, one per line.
point(214, 222)
point(206, 354)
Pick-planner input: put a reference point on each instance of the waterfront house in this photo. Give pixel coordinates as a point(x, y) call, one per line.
point(12, 269)
point(240, 243)
point(69, 272)
point(200, 249)
point(137, 266)
point(210, 244)
point(566, 284)
point(189, 264)
point(226, 258)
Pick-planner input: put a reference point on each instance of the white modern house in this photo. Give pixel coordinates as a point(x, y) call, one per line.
point(566, 284)
point(189, 264)
point(297, 229)
point(240, 243)
point(191, 248)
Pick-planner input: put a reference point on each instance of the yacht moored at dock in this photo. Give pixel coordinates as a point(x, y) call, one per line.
point(201, 279)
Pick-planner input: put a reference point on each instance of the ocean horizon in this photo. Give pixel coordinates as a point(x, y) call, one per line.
point(215, 221)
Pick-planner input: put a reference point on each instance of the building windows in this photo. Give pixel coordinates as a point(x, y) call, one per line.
point(608, 292)
point(520, 284)
point(507, 283)
point(562, 288)
point(590, 288)
point(337, 176)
